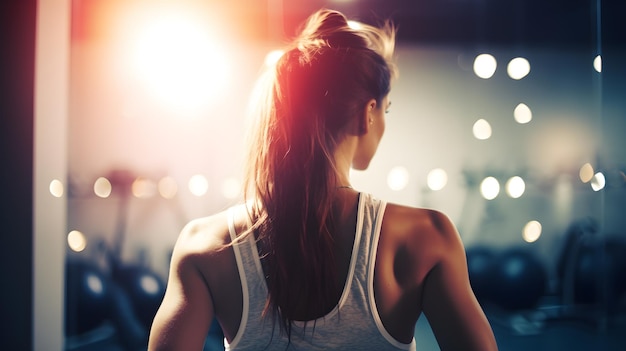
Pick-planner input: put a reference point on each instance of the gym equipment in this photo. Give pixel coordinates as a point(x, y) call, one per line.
point(479, 264)
point(598, 272)
point(513, 279)
point(144, 288)
point(521, 279)
point(592, 266)
point(87, 287)
point(123, 295)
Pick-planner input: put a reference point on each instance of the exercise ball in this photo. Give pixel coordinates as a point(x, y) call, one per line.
point(144, 288)
point(480, 261)
point(520, 279)
point(86, 297)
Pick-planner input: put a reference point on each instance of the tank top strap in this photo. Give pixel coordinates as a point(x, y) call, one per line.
point(251, 276)
point(368, 220)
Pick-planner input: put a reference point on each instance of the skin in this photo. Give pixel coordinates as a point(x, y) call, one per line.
point(420, 267)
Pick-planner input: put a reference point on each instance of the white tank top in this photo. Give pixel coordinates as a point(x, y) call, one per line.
point(354, 324)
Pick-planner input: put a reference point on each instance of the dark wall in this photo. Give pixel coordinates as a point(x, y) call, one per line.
point(17, 57)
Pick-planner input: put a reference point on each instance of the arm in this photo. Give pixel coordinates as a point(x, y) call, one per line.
point(184, 317)
point(449, 304)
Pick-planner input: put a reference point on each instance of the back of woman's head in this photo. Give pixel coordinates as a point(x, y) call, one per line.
point(314, 99)
point(316, 92)
point(330, 73)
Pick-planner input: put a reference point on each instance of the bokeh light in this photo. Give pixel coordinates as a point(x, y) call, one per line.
point(522, 114)
point(167, 187)
point(398, 178)
point(198, 185)
point(437, 179)
point(76, 241)
point(149, 284)
point(598, 181)
point(144, 188)
point(518, 68)
point(56, 188)
point(485, 66)
point(586, 173)
point(489, 188)
point(597, 63)
point(531, 231)
point(482, 129)
point(94, 283)
point(515, 187)
point(102, 187)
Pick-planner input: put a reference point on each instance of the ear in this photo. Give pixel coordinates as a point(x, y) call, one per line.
point(367, 116)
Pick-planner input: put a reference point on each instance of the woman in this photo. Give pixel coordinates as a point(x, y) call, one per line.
point(309, 263)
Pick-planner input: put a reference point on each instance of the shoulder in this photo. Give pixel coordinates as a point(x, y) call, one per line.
point(204, 235)
point(206, 238)
point(202, 245)
point(427, 234)
point(409, 223)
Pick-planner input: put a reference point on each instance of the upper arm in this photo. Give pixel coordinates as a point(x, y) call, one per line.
point(184, 317)
point(456, 318)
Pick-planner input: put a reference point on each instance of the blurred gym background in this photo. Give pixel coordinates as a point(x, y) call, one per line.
point(506, 116)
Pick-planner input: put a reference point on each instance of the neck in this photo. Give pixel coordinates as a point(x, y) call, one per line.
point(343, 160)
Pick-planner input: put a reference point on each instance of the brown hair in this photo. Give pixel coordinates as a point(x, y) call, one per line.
point(315, 92)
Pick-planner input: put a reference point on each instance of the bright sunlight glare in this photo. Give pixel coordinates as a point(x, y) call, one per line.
point(272, 57)
point(176, 58)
